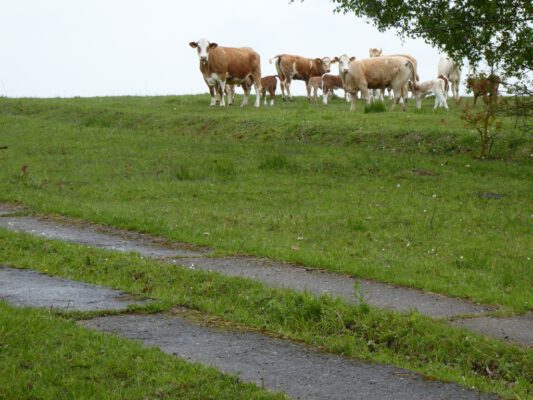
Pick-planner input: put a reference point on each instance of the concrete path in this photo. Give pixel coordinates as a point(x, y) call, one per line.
point(22, 287)
point(275, 364)
point(279, 365)
point(519, 329)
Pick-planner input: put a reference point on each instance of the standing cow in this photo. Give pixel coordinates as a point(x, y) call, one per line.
point(484, 86)
point(228, 65)
point(291, 67)
point(376, 73)
point(452, 71)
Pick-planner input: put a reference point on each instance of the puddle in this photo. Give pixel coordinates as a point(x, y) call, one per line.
point(25, 288)
point(279, 365)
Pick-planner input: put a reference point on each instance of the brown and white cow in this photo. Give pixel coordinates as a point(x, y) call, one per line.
point(221, 65)
point(330, 83)
point(291, 67)
point(314, 84)
point(452, 71)
point(484, 87)
point(269, 84)
point(376, 73)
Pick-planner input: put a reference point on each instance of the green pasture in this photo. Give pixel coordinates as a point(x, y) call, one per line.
point(394, 196)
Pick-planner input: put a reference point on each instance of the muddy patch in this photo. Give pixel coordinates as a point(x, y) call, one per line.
point(276, 364)
point(25, 288)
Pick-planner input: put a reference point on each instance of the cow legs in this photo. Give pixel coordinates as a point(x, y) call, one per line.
point(212, 92)
point(257, 87)
point(353, 96)
point(246, 90)
point(288, 87)
point(230, 92)
point(440, 100)
point(221, 89)
point(282, 86)
point(455, 89)
point(308, 89)
point(272, 95)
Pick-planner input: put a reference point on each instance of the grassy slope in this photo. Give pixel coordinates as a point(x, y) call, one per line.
point(389, 196)
point(410, 341)
point(46, 357)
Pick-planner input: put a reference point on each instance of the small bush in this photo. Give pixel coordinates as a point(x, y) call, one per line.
point(375, 106)
point(276, 161)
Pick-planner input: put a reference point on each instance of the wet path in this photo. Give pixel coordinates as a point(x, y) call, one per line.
point(274, 364)
point(22, 287)
point(517, 329)
point(279, 365)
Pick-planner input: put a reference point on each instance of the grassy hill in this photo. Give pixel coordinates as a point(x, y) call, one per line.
point(395, 196)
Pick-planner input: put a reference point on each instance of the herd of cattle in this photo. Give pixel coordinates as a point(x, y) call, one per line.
point(224, 68)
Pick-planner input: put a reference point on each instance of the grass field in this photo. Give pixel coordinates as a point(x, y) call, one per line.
point(394, 196)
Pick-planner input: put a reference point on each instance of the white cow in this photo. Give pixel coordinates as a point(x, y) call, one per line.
point(376, 73)
point(437, 86)
point(452, 71)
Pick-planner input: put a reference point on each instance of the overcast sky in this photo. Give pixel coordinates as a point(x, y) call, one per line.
point(68, 48)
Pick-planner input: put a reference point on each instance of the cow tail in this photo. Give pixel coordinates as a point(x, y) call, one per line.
point(276, 61)
point(446, 83)
point(412, 69)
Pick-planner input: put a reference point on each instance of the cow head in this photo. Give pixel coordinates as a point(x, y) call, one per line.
point(344, 63)
point(373, 52)
point(203, 46)
point(325, 62)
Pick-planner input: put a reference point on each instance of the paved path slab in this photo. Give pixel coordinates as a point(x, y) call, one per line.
point(281, 275)
point(271, 273)
point(22, 287)
point(518, 329)
point(319, 282)
point(280, 365)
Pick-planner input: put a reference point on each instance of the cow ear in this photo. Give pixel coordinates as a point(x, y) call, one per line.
point(213, 45)
point(194, 45)
point(336, 59)
point(352, 58)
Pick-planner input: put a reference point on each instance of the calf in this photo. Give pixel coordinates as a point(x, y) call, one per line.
point(484, 87)
point(220, 65)
point(376, 73)
point(452, 71)
point(329, 83)
point(291, 67)
point(437, 86)
point(269, 84)
point(314, 84)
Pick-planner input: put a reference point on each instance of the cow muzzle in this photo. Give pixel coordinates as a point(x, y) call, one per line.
point(203, 59)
